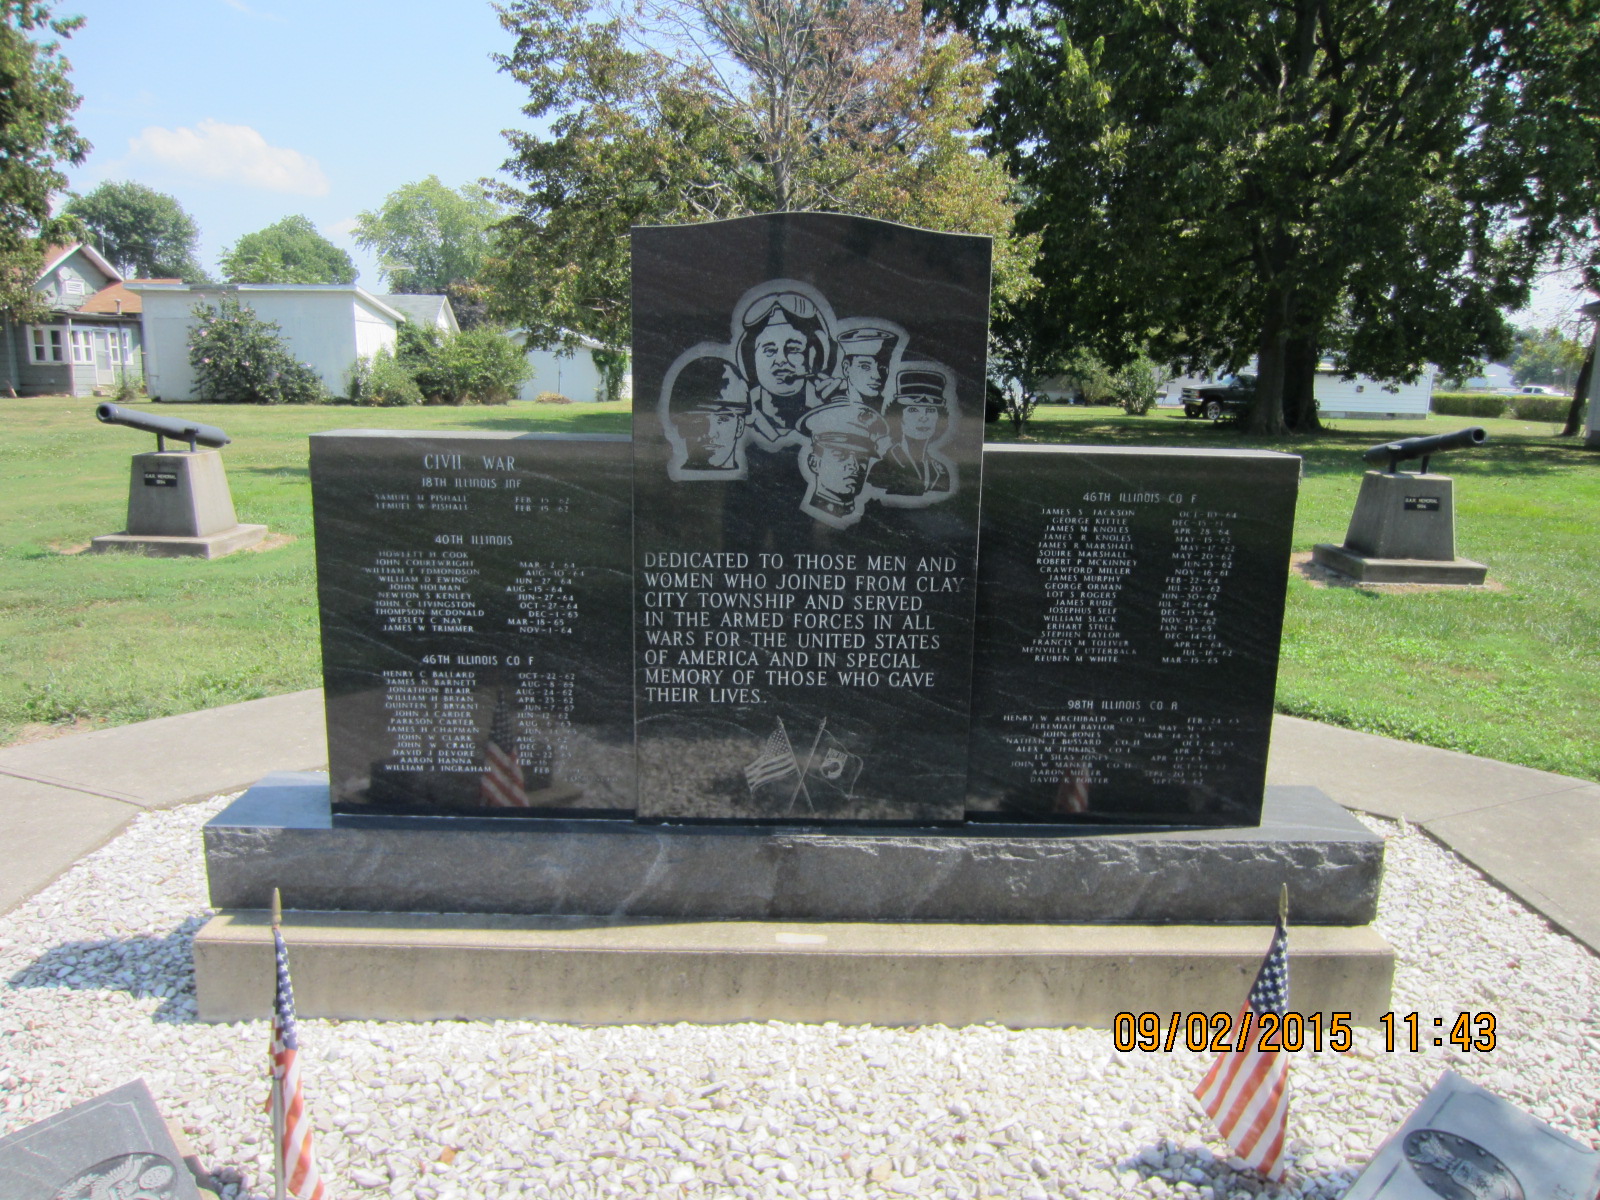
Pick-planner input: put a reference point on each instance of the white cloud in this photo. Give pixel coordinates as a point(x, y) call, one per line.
point(342, 228)
point(233, 154)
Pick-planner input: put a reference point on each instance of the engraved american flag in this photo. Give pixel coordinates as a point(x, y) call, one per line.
point(777, 761)
point(502, 784)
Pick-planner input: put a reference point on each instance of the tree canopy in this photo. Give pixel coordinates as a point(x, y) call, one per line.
point(684, 110)
point(143, 232)
point(37, 136)
point(1371, 181)
point(289, 251)
point(428, 236)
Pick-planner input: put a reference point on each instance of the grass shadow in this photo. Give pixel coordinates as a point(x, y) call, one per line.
point(142, 966)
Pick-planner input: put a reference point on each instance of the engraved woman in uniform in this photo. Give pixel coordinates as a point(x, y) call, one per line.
point(911, 467)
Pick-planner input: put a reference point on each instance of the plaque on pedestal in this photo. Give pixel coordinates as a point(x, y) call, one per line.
point(1130, 604)
point(475, 598)
point(808, 422)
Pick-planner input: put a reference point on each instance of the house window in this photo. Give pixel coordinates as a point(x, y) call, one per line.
point(45, 344)
point(125, 338)
point(82, 346)
point(72, 287)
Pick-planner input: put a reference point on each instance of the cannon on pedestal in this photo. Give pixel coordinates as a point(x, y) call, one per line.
point(1403, 529)
point(178, 501)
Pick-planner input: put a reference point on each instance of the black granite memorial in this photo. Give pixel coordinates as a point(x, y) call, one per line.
point(808, 425)
point(475, 591)
point(1130, 604)
point(116, 1145)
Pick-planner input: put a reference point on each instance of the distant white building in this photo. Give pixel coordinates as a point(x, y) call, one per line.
point(568, 372)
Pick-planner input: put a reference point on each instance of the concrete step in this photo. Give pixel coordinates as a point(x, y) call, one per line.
point(411, 966)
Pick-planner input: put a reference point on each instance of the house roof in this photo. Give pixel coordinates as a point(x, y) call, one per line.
point(54, 256)
point(106, 299)
point(422, 309)
point(213, 289)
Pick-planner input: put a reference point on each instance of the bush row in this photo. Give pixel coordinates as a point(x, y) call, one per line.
point(1550, 409)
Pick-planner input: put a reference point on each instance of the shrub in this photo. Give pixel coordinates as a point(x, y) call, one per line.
point(612, 366)
point(383, 382)
point(130, 385)
point(1469, 404)
point(551, 398)
point(480, 366)
point(1136, 387)
point(240, 359)
point(1540, 408)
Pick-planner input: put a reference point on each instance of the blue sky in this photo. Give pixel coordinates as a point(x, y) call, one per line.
point(250, 110)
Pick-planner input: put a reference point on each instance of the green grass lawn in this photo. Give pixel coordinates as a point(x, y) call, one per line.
point(1511, 673)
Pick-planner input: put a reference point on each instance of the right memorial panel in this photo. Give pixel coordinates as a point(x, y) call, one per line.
point(1130, 604)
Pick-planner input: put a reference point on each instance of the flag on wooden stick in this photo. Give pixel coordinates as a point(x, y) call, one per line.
point(291, 1123)
point(1246, 1092)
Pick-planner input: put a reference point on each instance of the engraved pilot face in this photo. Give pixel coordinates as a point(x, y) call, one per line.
point(780, 355)
point(840, 470)
point(919, 421)
point(864, 376)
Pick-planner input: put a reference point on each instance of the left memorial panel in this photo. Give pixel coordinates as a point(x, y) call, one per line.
point(476, 603)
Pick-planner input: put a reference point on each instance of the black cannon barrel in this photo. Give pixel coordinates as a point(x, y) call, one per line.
point(1394, 453)
point(163, 427)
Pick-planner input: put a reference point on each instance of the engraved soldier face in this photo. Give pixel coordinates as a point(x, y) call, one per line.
point(780, 354)
point(919, 421)
point(840, 470)
point(864, 375)
point(711, 437)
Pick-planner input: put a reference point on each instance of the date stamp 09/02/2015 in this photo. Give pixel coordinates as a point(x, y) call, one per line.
point(1293, 1031)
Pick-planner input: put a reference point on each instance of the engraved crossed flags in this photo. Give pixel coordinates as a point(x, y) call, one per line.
point(828, 773)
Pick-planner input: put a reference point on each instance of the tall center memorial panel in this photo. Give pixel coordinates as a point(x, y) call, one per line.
point(1130, 606)
point(476, 644)
point(808, 423)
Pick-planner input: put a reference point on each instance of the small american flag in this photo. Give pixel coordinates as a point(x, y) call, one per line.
point(291, 1124)
point(502, 785)
point(777, 761)
point(1247, 1089)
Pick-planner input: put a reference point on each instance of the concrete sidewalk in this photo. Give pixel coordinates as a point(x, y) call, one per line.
point(1532, 832)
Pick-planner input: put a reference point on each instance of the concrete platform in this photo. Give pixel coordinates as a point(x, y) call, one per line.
point(1462, 571)
point(210, 545)
point(444, 967)
point(280, 834)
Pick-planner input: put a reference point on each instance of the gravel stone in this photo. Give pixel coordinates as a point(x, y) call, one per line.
point(97, 987)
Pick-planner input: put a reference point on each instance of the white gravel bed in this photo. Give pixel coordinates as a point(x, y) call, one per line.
point(98, 988)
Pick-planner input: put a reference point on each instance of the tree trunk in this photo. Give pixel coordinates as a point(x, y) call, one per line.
point(1579, 392)
point(1266, 414)
point(1301, 356)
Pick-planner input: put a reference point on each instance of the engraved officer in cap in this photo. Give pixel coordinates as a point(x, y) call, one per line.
point(708, 407)
point(865, 355)
point(920, 413)
point(784, 348)
point(846, 439)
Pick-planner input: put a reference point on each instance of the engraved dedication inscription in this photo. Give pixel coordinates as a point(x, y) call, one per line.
point(807, 434)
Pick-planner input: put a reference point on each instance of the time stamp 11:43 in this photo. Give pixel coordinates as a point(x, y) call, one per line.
point(1293, 1031)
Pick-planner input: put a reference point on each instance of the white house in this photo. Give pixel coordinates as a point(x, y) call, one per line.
point(327, 325)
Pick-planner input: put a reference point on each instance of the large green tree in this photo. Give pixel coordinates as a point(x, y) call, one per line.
point(289, 251)
point(1368, 180)
point(683, 110)
point(37, 137)
point(143, 232)
point(428, 236)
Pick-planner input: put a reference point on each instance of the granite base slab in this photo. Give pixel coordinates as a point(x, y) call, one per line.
point(1460, 571)
point(210, 545)
point(413, 967)
point(280, 834)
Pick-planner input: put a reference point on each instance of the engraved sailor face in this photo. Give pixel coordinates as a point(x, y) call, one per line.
point(864, 375)
point(780, 355)
point(919, 421)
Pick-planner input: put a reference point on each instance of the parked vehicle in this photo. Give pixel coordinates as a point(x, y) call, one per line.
point(1229, 398)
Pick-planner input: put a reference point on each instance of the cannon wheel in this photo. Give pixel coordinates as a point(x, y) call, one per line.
point(1213, 410)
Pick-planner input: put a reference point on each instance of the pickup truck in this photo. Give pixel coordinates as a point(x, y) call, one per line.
point(1230, 398)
